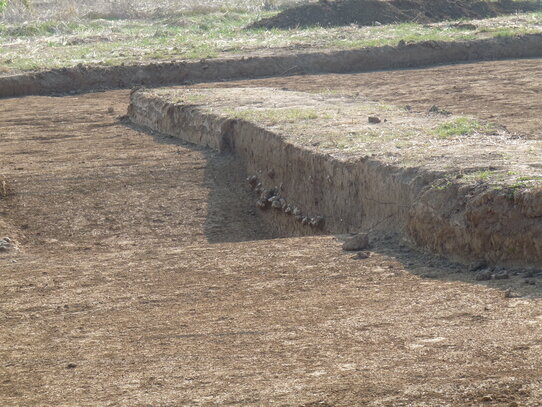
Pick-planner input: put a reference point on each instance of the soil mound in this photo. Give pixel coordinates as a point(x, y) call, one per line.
point(369, 12)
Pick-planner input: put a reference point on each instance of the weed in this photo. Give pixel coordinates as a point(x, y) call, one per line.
point(275, 116)
point(460, 126)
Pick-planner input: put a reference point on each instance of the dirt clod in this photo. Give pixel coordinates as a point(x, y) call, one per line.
point(484, 275)
point(356, 242)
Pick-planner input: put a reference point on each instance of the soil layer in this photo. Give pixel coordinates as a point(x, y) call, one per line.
point(319, 159)
point(370, 12)
point(144, 278)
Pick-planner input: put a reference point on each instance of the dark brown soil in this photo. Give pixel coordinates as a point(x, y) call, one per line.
point(370, 12)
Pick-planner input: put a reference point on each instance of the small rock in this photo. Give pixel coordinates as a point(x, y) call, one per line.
point(483, 275)
point(71, 366)
point(438, 110)
point(6, 244)
point(363, 255)
point(252, 181)
point(296, 212)
point(374, 120)
point(357, 242)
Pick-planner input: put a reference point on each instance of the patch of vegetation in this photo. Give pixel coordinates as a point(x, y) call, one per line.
point(275, 116)
point(460, 126)
point(64, 42)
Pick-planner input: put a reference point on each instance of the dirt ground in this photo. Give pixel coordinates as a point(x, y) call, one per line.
point(506, 92)
point(145, 278)
point(368, 12)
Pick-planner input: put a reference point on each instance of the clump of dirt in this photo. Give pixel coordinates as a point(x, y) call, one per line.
point(370, 12)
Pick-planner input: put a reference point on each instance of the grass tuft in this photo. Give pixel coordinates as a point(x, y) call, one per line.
point(461, 126)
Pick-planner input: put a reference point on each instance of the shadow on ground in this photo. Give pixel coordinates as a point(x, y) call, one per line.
point(233, 217)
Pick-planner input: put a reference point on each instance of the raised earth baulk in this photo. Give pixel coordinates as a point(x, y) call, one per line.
point(454, 192)
point(86, 78)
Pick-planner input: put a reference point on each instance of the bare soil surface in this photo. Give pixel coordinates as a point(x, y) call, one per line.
point(144, 278)
point(369, 12)
point(505, 92)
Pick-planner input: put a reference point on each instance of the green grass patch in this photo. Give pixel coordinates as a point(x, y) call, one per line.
point(460, 126)
point(276, 116)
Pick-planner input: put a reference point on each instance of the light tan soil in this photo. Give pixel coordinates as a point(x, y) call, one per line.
point(506, 92)
point(144, 278)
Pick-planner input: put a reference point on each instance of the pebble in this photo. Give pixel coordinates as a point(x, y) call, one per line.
point(363, 255)
point(253, 181)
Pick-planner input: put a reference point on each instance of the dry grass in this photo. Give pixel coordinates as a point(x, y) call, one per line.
point(65, 33)
point(44, 10)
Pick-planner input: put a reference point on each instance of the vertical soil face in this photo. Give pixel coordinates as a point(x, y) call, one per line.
point(145, 279)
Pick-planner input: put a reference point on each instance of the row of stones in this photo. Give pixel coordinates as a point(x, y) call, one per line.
point(271, 198)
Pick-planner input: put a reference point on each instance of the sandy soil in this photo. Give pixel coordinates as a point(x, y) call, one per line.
point(144, 278)
point(506, 92)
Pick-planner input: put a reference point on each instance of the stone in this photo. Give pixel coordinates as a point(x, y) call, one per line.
point(483, 275)
point(357, 242)
point(363, 255)
point(374, 120)
point(296, 212)
point(252, 181)
point(6, 244)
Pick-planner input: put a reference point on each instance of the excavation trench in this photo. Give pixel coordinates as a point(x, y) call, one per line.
point(426, 190)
